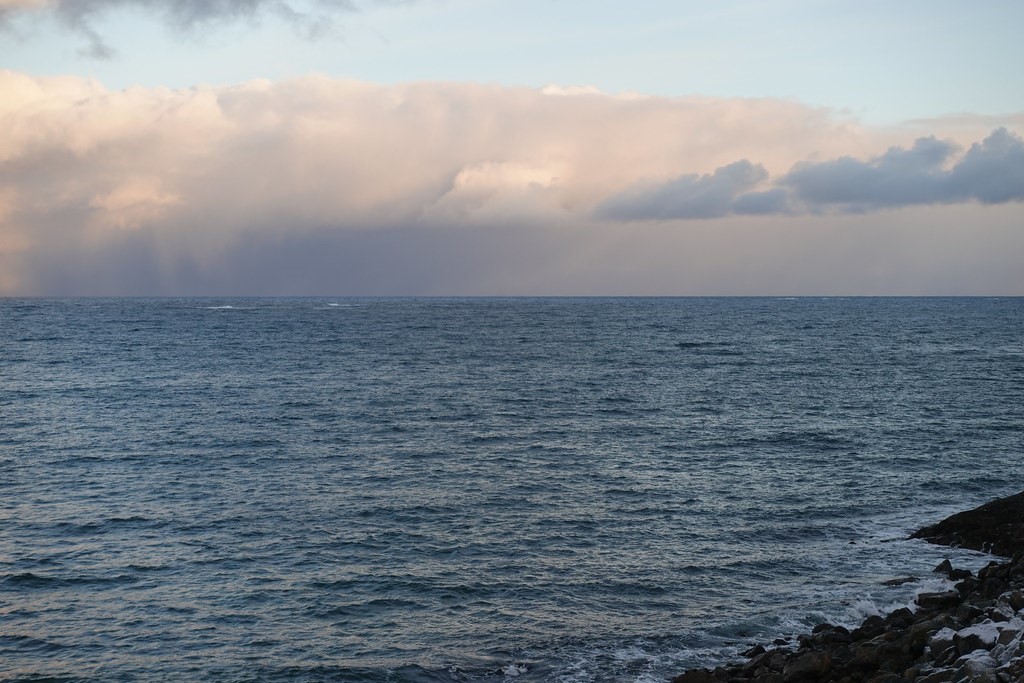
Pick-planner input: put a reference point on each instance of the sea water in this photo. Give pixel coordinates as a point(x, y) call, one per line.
point(480, 489)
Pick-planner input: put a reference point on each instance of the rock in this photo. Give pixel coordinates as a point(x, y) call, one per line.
point(873, 626)
point(808, 665)
point(976, 666)
point(981, 636)
point(974, 634)
point(754, 651)
point(1012, 672)
point(967, 613)
point(996, 527)
point(937, 600)
point(696, 676)
point(1000, 612)
point(900, 618)
point(937, 676)
point(947, 569)
point(941, 640)
point(900, 582)
point(914, 639)
point(968, 586)
point(1013, 599)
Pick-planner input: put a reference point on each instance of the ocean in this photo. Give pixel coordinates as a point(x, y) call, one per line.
point(541, 489)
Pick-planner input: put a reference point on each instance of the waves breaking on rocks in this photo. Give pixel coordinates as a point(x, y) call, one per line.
point(973, 632)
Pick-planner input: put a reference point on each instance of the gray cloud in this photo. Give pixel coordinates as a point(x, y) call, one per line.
point(692, 196)
point(991, 172)
point(311, 17)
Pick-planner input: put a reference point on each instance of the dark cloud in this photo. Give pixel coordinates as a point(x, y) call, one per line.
point(692, 196)
point(991, 172)
point(310, 17)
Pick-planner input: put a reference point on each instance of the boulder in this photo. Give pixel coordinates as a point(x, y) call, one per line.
point(808, 665)
point(976, 666)
point(696, 676)
point(981, 636)
point(937, 600)
point(946, 569)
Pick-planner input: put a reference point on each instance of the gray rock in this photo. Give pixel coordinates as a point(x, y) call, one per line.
point(1006, 652)
point(976, 666)
point(981, 636)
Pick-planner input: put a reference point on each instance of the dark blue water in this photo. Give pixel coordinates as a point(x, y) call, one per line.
point(436, 490)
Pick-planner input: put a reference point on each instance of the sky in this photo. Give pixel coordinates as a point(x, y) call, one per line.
point(486, 147)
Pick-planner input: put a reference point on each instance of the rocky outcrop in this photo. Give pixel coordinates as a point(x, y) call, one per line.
point(972, 633)
point(996, 527)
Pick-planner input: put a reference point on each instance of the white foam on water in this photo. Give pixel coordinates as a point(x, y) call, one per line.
point(514, 670)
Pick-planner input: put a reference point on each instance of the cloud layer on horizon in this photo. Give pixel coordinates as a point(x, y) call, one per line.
point(166, 187)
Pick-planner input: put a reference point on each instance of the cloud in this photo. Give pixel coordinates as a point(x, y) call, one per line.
point(311, 17)
point(426, 187)
point(991, 172)
point(691, 196)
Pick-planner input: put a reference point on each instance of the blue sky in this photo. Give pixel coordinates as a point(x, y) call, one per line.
point(333, 147)
point(884, 61)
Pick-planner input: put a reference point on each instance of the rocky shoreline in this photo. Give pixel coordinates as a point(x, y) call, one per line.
point(974, 632)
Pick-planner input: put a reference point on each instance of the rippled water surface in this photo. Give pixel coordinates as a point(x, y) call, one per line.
point(481, 489)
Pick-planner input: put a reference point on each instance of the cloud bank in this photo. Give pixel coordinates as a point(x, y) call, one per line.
point(318, 185)
point(991, 172)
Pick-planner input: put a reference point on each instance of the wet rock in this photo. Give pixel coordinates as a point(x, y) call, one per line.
point(996, 527)
point(946, 569)
point(901, 618)
point(938, 600)
point(809, 665)
point(754, 651)
point(972, 634)
point(900, 582)
point(872, 627)
point(968, 586)
point(696, 676)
